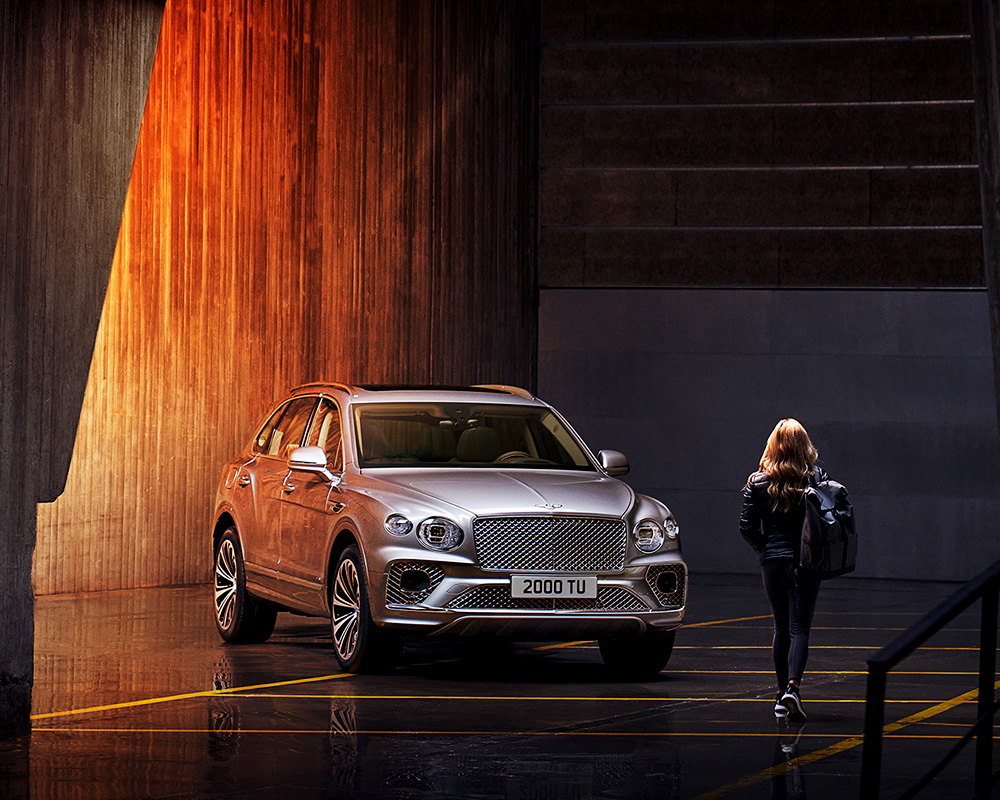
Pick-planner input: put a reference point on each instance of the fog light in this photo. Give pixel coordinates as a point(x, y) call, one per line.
point(666, 582)
point(414, 580)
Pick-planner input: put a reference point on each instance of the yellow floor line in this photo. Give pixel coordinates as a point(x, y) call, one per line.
point(561, 698)
point(828, 628)
point(811, 672)
point(562, 645)
point(724, 621)
point(871, 613)
point(842, 746)
point(607, 734)
point(209, 693)
point(812, 647)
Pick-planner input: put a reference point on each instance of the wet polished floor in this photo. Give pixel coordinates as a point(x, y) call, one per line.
point(136, 697)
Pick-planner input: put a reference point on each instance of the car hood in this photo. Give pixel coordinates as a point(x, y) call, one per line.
point(485, 493)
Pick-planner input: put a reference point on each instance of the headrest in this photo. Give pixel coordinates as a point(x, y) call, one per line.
point(478, 444)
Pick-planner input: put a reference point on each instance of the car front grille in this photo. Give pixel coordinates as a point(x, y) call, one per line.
point(609, 599)
point(550, 543)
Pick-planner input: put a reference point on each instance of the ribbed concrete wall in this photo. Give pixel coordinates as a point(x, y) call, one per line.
point(767, 142)
point(339, 191)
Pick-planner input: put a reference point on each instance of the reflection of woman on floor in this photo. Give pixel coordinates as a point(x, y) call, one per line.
point(771, 522)
point(787, 780)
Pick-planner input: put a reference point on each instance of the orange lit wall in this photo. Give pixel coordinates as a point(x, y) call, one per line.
point(337, 190)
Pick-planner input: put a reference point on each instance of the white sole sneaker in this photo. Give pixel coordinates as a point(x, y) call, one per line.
point(793, 706)
point(780, 712)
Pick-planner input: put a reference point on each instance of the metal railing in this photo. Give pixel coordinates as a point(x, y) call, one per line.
point(985, 587)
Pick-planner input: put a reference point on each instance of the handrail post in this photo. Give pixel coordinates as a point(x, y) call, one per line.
point(871, 755)
point(987, 676)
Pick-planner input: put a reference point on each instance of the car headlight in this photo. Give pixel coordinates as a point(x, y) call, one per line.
point(648, 535)
point(398, 525)
point(671, 528)
point(438, 533)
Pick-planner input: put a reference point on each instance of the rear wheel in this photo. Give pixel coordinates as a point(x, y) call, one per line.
point(360, 645)
point(639, 657)
point(239, 616)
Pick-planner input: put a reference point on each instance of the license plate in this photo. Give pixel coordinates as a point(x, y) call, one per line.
point(547, 586)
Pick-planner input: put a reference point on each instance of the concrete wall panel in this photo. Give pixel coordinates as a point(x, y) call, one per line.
point(895, 387)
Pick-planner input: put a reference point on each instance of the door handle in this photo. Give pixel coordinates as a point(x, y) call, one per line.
point(243, 480)
point(288, 487)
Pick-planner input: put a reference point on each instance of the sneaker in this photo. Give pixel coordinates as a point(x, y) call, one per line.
point(793, 704)
point(780, 712)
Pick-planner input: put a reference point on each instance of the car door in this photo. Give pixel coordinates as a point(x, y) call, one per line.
point(267, 473)
point(310, 503)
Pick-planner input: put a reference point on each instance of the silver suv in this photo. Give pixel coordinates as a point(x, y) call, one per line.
point(437, 511)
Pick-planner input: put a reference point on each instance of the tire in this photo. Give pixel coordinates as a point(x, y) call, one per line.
point(359, 644)
point(638, 658)
point(239, 616)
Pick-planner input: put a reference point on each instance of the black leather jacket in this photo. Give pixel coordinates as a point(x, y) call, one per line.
point(774, 535)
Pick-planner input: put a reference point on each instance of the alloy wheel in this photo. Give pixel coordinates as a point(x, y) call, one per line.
point(225, 584)
point(346, 609)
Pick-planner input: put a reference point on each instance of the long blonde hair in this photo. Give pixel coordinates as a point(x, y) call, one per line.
point(788, 460)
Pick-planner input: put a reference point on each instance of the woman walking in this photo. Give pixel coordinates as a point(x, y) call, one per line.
point(771, 522)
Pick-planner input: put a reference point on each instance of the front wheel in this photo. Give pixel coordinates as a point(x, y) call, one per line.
point(637, 658)
point(239, 616)
point(360, 645)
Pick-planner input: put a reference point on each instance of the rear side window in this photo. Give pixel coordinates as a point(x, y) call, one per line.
point(284, 431)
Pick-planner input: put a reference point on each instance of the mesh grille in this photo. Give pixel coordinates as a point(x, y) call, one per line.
point(609, 598)
point(550, 544)
point(396, 594)
point(668, 598)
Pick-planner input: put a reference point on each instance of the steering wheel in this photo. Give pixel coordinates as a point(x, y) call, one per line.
point(511, 456)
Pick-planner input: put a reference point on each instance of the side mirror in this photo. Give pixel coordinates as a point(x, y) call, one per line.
point(613, 462)
point(311, 459)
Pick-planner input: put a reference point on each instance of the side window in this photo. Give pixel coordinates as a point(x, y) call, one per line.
point(325, 434)
point(287, 434)
point(264, 435)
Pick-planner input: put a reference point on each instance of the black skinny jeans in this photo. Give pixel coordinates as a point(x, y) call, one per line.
point(793, 601)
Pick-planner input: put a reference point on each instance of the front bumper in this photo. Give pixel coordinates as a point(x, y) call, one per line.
point(457, 600)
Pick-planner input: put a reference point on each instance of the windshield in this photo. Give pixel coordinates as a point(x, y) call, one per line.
point(465, 435)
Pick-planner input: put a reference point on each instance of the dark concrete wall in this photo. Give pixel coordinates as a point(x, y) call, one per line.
point(73, 83)
point(895, 388)
point(985, 19)
point(767, 142)
point(772, 144)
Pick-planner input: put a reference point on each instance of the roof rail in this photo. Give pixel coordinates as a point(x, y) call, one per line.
point(498, 387)
point(324, 384)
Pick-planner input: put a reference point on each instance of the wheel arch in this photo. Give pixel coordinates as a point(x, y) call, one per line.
point(344, 539)
point(222, 524)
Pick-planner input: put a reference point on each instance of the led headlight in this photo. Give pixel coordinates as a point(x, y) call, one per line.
point(438, 533)
point(648, 536)
point(670, 528)
point(398, 525)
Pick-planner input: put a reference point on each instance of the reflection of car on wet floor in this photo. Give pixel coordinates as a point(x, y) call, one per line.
point(475, 511)
point(250, 745)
